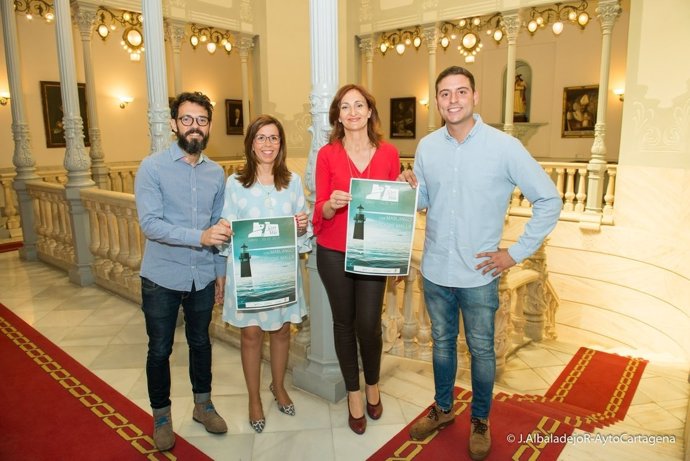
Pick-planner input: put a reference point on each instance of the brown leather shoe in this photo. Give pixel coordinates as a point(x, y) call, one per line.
point(358, 425)
point(434, 421)
point(480, 439)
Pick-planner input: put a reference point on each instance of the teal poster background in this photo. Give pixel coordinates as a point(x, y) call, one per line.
point(380, 228)
point(265, 262)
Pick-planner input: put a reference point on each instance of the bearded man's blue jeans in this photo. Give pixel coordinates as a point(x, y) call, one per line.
point(160, 306)
point(478, 307)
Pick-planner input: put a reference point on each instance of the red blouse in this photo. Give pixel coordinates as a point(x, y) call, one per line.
point(333, 172)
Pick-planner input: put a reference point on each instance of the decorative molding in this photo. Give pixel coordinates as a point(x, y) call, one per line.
point(662, 130)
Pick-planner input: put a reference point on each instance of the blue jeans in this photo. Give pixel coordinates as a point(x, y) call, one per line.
point(478, 306)
point(160, 306)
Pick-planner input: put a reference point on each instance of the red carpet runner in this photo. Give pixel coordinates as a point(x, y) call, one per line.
point(594, 390)
point(10, 246)
point(55, 408)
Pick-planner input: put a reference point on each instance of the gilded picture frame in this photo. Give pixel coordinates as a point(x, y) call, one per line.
point(51, 99)
point(579, 111)
point(403, 118)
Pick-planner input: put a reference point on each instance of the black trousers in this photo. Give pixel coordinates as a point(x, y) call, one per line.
point(356, 303)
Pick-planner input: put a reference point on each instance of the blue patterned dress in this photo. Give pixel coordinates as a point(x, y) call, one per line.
point(255, 202)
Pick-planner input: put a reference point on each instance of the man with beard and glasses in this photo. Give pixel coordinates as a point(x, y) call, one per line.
point(179, 194)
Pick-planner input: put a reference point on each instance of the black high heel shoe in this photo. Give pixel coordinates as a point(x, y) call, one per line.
point(288, 409)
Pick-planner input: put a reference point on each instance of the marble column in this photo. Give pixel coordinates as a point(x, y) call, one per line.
point(22, 159)
point(77, 162)
point(84, 16)
point(607, 12)
point(245, 47)
point(321, 374)
point(511, 22)
point(157, 84)
point(430, 34)
point(176, 35)
point(366, 45)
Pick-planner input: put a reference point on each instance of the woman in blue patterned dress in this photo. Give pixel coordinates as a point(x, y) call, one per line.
point(265, 188)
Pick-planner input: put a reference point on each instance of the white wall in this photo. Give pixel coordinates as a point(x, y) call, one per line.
point(629, 284)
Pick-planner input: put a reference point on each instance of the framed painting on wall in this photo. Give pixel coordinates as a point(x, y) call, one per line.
point(51, 99)
point(234, 117)
point(579, 111)
point(403, 117)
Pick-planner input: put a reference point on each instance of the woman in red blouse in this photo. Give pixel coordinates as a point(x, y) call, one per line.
point(355, 150)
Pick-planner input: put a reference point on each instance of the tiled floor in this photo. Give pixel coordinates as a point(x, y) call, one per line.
point(106, 333)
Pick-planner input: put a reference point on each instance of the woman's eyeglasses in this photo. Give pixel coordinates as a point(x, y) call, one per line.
point(262, 139)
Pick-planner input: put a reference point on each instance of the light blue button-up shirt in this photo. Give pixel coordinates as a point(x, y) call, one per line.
point(466, 187)
point(176, 202)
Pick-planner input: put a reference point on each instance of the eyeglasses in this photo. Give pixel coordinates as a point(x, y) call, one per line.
point(262, 139)
point(187, 120)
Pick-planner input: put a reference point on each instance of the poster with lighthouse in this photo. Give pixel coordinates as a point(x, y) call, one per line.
point(265, 260)
point(380, 227)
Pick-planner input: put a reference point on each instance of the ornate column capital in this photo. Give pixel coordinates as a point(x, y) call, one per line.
point(175, 32)
point(84, 15)
point(511, 21)
point(366, 44)
point(607, 12)
point(430, 35)
point(245, 43)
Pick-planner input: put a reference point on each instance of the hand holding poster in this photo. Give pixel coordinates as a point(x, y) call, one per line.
point(265, 262)
point(380, 228)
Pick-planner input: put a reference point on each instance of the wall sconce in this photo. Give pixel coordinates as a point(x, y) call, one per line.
point(424, 102)
point(4, 98)
point(31, 7)
point(556, 15)
point(125, 100)
point(620, 92)
point(132, 37)
point(400, 39)
point(467, 32)
point(213, 38)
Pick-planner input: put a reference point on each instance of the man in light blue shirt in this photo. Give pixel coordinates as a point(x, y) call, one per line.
point(466, 172)
point(179, 195)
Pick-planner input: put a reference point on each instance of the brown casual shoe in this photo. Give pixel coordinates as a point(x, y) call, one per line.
point(205, 413)
point(163, 435)
point(480, 439)
point(435, 420)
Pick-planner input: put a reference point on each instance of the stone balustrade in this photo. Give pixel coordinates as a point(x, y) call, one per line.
point(527, 301)
point(54, 241)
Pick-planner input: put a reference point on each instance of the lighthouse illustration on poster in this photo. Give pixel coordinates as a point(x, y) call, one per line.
point(380, 227)
point(265, 259)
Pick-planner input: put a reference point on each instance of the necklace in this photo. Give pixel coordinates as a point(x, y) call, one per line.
point(350, 163)
point(268, 190)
